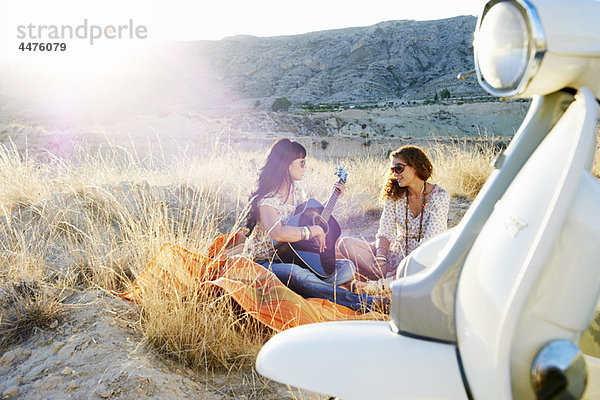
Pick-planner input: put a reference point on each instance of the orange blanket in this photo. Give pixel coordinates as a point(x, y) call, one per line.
point(254, 288)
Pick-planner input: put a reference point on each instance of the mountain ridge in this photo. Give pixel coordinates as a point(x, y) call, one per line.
point(390, 60)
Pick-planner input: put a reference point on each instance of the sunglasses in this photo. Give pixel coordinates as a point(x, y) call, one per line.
point(398, 168)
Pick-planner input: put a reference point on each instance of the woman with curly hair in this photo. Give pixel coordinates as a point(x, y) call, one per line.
point(414, 210)
point(276, 197)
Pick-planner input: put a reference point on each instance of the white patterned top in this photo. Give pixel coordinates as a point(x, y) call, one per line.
point(392, 224)
point(259, 246)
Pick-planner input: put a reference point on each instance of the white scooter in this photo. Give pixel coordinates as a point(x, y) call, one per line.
point(494, 308)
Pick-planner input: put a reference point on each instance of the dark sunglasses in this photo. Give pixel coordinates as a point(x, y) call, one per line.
point(398, 168)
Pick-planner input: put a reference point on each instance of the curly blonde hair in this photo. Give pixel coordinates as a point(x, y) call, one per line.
point(413, 156)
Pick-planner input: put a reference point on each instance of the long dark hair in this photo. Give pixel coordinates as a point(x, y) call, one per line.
point(273, 176)
point(414, 157)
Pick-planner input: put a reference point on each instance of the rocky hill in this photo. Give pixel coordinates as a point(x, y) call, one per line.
point(387, 61)
point(390, 61)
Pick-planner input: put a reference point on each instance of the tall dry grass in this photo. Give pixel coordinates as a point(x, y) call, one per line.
point(203, 329)
point(462, 168)
point(27, 306)
point(95, 220)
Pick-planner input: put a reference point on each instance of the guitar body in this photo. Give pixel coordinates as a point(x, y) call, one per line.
point(305, 253)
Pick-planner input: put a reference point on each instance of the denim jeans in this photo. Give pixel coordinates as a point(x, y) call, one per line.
point(307, 284)
point(343, 273)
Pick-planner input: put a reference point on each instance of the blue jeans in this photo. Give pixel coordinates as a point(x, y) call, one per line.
point(307, 284)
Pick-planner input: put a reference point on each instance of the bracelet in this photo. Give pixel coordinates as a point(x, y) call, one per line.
point(381, 258)
point(305, 233)
point(302, 233)
point(310, 234)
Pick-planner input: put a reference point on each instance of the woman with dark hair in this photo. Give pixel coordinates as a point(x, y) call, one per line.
point(414, 210)
point(276, 198)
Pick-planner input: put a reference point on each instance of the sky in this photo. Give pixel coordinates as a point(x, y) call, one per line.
point(213, 20)
point(94, 40)
point(95, 44)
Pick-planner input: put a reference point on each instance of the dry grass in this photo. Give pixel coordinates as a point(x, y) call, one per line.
point(96, 220)
point(206, 330)
point(463, 169)
point(27, 306)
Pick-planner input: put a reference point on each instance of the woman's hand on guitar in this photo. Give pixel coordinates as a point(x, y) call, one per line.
point(318, 236)
point(341, 187)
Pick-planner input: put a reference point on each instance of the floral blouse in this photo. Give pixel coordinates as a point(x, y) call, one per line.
point(392, 224)
point(259, 246)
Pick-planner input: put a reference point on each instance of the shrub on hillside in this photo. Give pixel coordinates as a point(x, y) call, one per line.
point(281, 104)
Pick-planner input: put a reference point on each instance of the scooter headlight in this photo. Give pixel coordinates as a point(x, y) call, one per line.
point(509, 46)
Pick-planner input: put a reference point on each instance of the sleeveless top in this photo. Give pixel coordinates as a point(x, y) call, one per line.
point(259, 246)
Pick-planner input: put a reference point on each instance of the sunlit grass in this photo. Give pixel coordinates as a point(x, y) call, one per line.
point(96, 219)
point(202, 329)
point(463, 169)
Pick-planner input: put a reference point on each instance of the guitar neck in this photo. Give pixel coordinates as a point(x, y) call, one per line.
point(330, 204)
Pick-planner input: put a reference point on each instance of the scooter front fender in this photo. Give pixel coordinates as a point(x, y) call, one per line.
point(362, 360)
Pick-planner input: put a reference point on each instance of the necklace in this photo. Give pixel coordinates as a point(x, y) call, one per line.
point(423, 200)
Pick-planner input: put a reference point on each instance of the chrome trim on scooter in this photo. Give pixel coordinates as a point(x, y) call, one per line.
point(538, 47)
point(559, 371)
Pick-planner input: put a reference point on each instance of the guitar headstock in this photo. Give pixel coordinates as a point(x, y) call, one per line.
point(341, 173)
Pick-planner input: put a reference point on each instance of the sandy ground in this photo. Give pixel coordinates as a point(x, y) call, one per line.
point(94, 353)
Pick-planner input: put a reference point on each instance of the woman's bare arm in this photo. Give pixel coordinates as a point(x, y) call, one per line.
point(269, 218)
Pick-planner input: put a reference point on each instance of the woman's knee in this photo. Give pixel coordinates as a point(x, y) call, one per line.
point(344, 272)
point(354, 247)
point(346, 245)
point(345, 266)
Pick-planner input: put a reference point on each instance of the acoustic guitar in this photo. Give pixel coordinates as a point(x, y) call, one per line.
point(305, 253)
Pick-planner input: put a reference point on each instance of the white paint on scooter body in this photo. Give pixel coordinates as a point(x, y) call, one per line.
point(531, 250)
point(362, 360)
